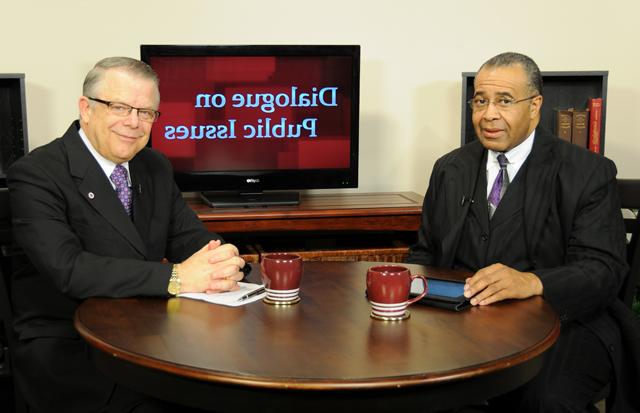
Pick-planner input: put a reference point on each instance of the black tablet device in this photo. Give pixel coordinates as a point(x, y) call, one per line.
point(442, 293)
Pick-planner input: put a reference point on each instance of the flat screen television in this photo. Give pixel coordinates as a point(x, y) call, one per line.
point(252, 125)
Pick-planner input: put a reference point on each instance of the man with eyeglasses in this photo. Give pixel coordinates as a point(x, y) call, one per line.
point(532, 215)
point(96, 213)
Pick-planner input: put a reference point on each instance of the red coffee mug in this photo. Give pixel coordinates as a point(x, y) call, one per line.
point(389, 285)
point(281, 275)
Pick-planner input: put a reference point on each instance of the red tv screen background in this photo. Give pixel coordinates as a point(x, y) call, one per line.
point(246, 113)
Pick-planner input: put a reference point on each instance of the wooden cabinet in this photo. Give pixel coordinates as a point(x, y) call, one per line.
point(561, 90)
point(337, 227)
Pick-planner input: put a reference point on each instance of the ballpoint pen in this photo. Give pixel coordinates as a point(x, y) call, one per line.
point(252, 294)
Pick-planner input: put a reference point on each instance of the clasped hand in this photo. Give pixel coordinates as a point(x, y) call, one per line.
point(498, 282)
point(214, 268)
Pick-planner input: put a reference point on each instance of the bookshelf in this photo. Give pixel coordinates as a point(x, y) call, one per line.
point(13, 121)
point(561, 90)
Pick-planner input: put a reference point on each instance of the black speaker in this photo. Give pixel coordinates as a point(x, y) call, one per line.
point(13, 122)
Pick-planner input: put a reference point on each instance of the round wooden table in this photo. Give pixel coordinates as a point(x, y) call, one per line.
point(321, 353)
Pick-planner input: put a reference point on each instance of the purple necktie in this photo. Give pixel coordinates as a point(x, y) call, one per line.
point(499, 185)
point(119, 178)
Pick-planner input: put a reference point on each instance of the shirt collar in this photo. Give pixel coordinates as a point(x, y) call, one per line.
point(106, 165)
point(517, 155)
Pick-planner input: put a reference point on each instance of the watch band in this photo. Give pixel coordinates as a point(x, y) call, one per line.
point(174, 282)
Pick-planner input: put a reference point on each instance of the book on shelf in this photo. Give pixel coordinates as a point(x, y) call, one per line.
point(595, 123)
point(564, 119)
point(579, 128)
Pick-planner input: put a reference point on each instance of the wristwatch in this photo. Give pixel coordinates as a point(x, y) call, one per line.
point(174, 282)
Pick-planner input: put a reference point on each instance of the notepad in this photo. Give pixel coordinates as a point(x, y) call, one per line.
point(231, 298)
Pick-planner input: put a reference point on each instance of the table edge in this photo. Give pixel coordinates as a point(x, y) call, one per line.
point(190, 372)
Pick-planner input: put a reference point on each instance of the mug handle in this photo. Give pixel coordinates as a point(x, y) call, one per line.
point(426, 289)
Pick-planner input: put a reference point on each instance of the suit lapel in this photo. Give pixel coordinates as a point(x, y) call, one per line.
point(512, 201)
point(462, 174)
point(95, 187)
point(540, 187)
point(142, 196)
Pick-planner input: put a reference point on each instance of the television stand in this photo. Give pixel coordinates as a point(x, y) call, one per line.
point(230, 199)
point(328, 227)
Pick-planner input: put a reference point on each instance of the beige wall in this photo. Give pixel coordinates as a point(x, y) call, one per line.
point(412, 55)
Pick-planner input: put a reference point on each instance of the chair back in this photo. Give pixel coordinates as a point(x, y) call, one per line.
point(8, 336)
point(629, 190)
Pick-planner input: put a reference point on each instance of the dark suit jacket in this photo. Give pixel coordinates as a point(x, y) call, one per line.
point(80, 243)
point(574, 231)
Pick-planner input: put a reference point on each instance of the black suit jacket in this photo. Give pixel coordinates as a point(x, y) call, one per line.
point(80, 243)
point(574, 232)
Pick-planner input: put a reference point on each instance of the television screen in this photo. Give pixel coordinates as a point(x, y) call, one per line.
point(255, 118)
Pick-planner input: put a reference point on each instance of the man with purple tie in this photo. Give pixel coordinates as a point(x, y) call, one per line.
point(98, 214)
point(532, 215)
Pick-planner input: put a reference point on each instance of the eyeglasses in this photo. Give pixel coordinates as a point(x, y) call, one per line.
point(479, 103)
point(122, 110)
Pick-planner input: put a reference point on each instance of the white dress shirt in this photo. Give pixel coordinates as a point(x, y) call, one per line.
point(106, 165)
point(515, 157)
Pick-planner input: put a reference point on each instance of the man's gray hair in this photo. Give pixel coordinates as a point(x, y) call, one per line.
point(530, 67)
point(133, 66)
